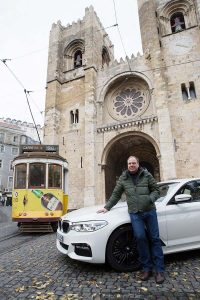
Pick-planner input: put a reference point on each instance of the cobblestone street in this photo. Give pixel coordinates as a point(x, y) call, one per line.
point(36, 270)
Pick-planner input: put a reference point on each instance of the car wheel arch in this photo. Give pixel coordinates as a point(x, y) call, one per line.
point(129, 251)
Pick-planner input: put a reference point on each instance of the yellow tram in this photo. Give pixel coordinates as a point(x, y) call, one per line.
point(39, 195)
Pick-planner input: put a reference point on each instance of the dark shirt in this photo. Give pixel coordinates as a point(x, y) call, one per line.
point(134, 176)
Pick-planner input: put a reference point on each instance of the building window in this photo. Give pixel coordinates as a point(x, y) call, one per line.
point(11, 166)
point(177, 15)
point(14, 151)
point(74, 116)
point(77, 59)
point(184, 92)
point(15, 139)
point(105, 57)
point(23, 139)
point(2, 148)
point(10, 182)
point(177, 22)
point(128, 102)
point(2, 136)
point(74, 55)
point(192, 90)
point(1, 163)
point(188, 91)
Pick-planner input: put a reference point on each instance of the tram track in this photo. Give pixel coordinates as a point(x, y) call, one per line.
point(17, 240)
point(9, 237)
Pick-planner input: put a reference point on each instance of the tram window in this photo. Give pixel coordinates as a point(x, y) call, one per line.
point(54, 176)
point(20, 176)
point(37, 175)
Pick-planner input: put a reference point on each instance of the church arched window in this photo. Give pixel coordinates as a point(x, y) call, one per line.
point(77, 59)
point(74, 55)
point(105, 56)
point(177, 22)
point(176, 15)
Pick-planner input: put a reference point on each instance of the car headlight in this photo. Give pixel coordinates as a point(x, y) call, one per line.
point(88, 226)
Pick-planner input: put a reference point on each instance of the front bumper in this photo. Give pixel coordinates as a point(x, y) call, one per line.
point(83, 246)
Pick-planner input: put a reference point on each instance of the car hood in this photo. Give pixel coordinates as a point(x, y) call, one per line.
point(90, 213)
point(119, 211)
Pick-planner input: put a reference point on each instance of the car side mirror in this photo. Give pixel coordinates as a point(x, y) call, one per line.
point(182, 198)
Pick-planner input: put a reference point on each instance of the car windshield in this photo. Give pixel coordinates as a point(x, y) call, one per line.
point(165, 188)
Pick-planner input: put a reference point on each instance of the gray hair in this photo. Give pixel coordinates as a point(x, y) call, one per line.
point(133, 157)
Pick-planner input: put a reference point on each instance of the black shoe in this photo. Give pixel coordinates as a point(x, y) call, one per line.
point(159, 278)
point(145, 275)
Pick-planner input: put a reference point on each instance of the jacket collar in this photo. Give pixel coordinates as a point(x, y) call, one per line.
point(127, 173)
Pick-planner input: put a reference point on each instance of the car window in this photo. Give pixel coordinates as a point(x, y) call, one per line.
point(165, 188)
point(191, 188)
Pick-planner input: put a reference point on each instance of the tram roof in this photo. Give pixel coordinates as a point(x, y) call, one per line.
point(45, 155)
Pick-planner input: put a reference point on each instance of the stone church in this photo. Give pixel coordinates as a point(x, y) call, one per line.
point(100, 111)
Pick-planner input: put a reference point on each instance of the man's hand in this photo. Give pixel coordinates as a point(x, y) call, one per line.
point(102, 210)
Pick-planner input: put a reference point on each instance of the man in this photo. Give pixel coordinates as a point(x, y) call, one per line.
point(141, 192)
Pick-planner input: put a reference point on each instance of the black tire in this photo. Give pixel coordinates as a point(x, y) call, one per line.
point(121, 251)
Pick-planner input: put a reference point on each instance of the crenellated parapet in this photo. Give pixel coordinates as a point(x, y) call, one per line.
point(133, 60)
point(18, 122)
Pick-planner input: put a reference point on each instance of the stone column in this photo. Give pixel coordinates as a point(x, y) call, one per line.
point(167, 160)
point(90, 116)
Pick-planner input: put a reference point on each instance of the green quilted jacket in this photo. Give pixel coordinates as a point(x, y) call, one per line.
point(140, 196)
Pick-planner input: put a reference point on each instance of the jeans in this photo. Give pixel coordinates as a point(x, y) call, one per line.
point(146, 232)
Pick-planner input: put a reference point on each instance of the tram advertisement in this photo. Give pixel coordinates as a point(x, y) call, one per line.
point(30, 202)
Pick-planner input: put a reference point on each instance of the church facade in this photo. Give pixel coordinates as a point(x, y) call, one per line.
point(100, 111)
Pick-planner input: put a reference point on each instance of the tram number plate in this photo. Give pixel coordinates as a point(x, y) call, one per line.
point(59, 237)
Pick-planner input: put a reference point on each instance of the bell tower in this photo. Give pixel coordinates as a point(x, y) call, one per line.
point(76, 53)
point(148, 28)
point(171, 41)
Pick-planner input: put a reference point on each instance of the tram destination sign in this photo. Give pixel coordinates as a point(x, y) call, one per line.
point(39, 148)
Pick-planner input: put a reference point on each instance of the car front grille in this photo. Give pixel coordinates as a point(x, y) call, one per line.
point(64, 225)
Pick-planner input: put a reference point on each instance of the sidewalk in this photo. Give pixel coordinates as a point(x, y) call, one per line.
point(5, 213)
point(7, 227)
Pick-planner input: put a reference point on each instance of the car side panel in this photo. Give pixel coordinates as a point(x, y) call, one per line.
point(183, 223)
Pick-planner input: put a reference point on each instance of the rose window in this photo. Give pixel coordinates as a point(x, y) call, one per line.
point(129, 102)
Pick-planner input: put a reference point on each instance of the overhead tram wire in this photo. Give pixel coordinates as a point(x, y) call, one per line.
point(126, 56)
point(25, 91)
point(26, 94)
point(141, 71)
point(145, 71)
point(30, 53)
point(121, 37)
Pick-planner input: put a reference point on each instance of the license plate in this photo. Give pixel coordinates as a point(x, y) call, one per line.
point(59, 237)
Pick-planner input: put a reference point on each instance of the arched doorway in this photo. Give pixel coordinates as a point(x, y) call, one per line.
point(118, 153)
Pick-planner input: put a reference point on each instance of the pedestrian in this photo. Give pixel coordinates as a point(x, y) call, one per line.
point(141, 192)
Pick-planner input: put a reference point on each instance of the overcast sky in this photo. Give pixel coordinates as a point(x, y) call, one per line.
point(24, 37)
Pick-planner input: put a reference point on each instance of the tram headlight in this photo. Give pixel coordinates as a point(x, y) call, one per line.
point(88, 226)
